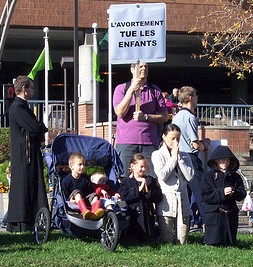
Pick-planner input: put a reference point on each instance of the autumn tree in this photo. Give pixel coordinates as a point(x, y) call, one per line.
point(227, 39)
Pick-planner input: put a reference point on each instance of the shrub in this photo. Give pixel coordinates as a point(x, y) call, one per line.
point(3, 167)
point(4, 188)
point(4, 184)
point(4, 144)
point(89, 170)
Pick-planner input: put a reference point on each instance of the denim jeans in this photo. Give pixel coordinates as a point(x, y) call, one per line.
point(4, 221)
point(195, 182)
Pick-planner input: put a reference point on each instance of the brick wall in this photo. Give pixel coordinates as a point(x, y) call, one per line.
point(238, 137)
point(181, 14)
point(85, 116)
point(102, 131)
point(85, 123)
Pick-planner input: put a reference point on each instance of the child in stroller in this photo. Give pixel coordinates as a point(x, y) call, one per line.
point(97, 152)
point(78, 190)
point(108, 196)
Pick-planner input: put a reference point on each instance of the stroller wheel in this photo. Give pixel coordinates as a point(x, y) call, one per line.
point(42, 225)
point(110, 231)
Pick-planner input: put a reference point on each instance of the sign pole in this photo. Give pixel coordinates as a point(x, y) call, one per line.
point(137, 93)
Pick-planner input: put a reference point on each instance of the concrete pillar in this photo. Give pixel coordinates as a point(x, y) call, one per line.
point(85, 103)
point(85, 74)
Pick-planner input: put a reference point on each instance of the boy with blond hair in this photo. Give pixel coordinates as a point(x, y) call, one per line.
point(78, 189)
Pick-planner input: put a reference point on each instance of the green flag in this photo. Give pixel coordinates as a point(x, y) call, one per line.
point(40, 65)
point(96, 67)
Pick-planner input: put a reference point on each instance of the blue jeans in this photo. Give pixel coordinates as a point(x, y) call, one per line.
point(194, 184)
point(126, 151)
point(4, 221)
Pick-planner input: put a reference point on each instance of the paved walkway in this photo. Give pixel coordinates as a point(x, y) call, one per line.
point(245, 229)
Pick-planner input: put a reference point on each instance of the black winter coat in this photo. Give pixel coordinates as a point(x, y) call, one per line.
point(141, 205)
point(27, 190)
point(221, 210)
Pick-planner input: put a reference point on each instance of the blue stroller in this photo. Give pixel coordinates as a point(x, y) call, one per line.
point(98, 152)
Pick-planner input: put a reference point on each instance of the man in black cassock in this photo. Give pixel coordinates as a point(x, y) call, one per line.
point(27, 191)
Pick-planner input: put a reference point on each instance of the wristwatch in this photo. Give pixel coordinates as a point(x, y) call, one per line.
point(146, 117)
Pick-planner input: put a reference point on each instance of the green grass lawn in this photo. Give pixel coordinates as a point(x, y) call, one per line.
point(63, 250)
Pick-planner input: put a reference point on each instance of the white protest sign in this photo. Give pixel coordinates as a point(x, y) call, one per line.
point(137, 32)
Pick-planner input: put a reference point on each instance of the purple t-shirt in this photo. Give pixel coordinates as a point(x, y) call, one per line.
point(129, 131)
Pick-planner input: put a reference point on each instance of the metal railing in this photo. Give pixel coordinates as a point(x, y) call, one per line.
point(209, 114)
point(225, 115)
point(57, 118)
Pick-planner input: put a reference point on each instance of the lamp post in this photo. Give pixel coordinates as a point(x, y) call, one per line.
point(66, 62)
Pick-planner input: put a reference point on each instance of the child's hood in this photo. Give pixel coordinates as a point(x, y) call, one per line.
point(223, 152)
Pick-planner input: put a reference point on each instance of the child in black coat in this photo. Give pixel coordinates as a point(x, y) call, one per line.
point(221, 187)
point(140, 192)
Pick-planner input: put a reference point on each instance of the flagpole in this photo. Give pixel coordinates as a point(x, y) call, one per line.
point(95, 51)
point(46, 31)
point(109, 85)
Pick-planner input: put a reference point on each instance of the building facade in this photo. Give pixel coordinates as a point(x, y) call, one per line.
point(25, 41)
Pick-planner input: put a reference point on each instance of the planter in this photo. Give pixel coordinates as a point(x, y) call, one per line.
point(3, 204)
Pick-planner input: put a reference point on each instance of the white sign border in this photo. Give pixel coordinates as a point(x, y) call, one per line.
point(157, 54)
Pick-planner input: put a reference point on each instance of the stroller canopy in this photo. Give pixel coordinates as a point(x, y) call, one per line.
point(97, 151)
